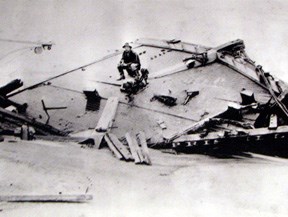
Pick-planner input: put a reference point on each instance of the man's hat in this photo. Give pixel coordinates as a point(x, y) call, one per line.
point(127, 45)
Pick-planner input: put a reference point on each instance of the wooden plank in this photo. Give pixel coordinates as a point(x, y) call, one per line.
point(113, 148)
point(138, 149)
point(145, 151)
point(107, 117)
point(46, 198)
point(133, 147)
point(120, 147)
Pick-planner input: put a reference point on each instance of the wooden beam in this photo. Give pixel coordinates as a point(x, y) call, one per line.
point(113, 148)
point(142, 139)
point(133, 148)
point(46, 198)
point(107, 117)
point(120, 147)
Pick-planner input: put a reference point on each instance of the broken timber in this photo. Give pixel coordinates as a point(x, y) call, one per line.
point(104, 123)
point(47, 198)
point(11, 86)
point(134, 148)
point(117, 147)
point(107, 118)
point(39, 127)
point(115, 151)
point(142, 140)
point(140, 154)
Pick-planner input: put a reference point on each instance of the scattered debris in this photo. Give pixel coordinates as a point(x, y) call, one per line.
point(104, 123)
point(117, 147)
point(39, 127)
point(247, 97)
point(93, 100)
point(133, 87)
point(162, 124)
point(139, 150)
point(25, 132)
point(11, 86)
point(7, 103)
point(46, 109)
point(246, 122)
point(190, 95)
point(167, 100)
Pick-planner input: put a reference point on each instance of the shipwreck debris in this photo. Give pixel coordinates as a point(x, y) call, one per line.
point(119, 150)
point(93, 100)
point(247, 97)
point(239, 139)
point(138, 148)
point(5, 102)
point(167, 100)
point(104, 124)
point(162, 124)
point(190, 95)
point(39, 127)
point(46, 109)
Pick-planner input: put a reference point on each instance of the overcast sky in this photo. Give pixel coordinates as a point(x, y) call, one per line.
point(86, 29)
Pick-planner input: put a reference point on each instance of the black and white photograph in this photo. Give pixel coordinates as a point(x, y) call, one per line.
point(143, 108)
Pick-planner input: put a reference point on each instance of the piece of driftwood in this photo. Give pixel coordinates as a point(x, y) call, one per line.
point(107, 117)
point(47, 198)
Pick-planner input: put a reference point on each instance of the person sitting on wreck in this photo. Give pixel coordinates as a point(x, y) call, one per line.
point(130, 61)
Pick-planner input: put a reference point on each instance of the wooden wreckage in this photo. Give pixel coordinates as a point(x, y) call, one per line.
point(199, 100)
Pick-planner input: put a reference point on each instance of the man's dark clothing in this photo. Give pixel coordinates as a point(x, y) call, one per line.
point(129, 57)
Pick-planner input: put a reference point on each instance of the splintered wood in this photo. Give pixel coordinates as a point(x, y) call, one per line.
point(137, 151)
point(105, 123)
point(138, 148)
point(118, 149)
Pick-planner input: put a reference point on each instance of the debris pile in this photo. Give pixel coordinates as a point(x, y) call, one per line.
point(254, 114)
